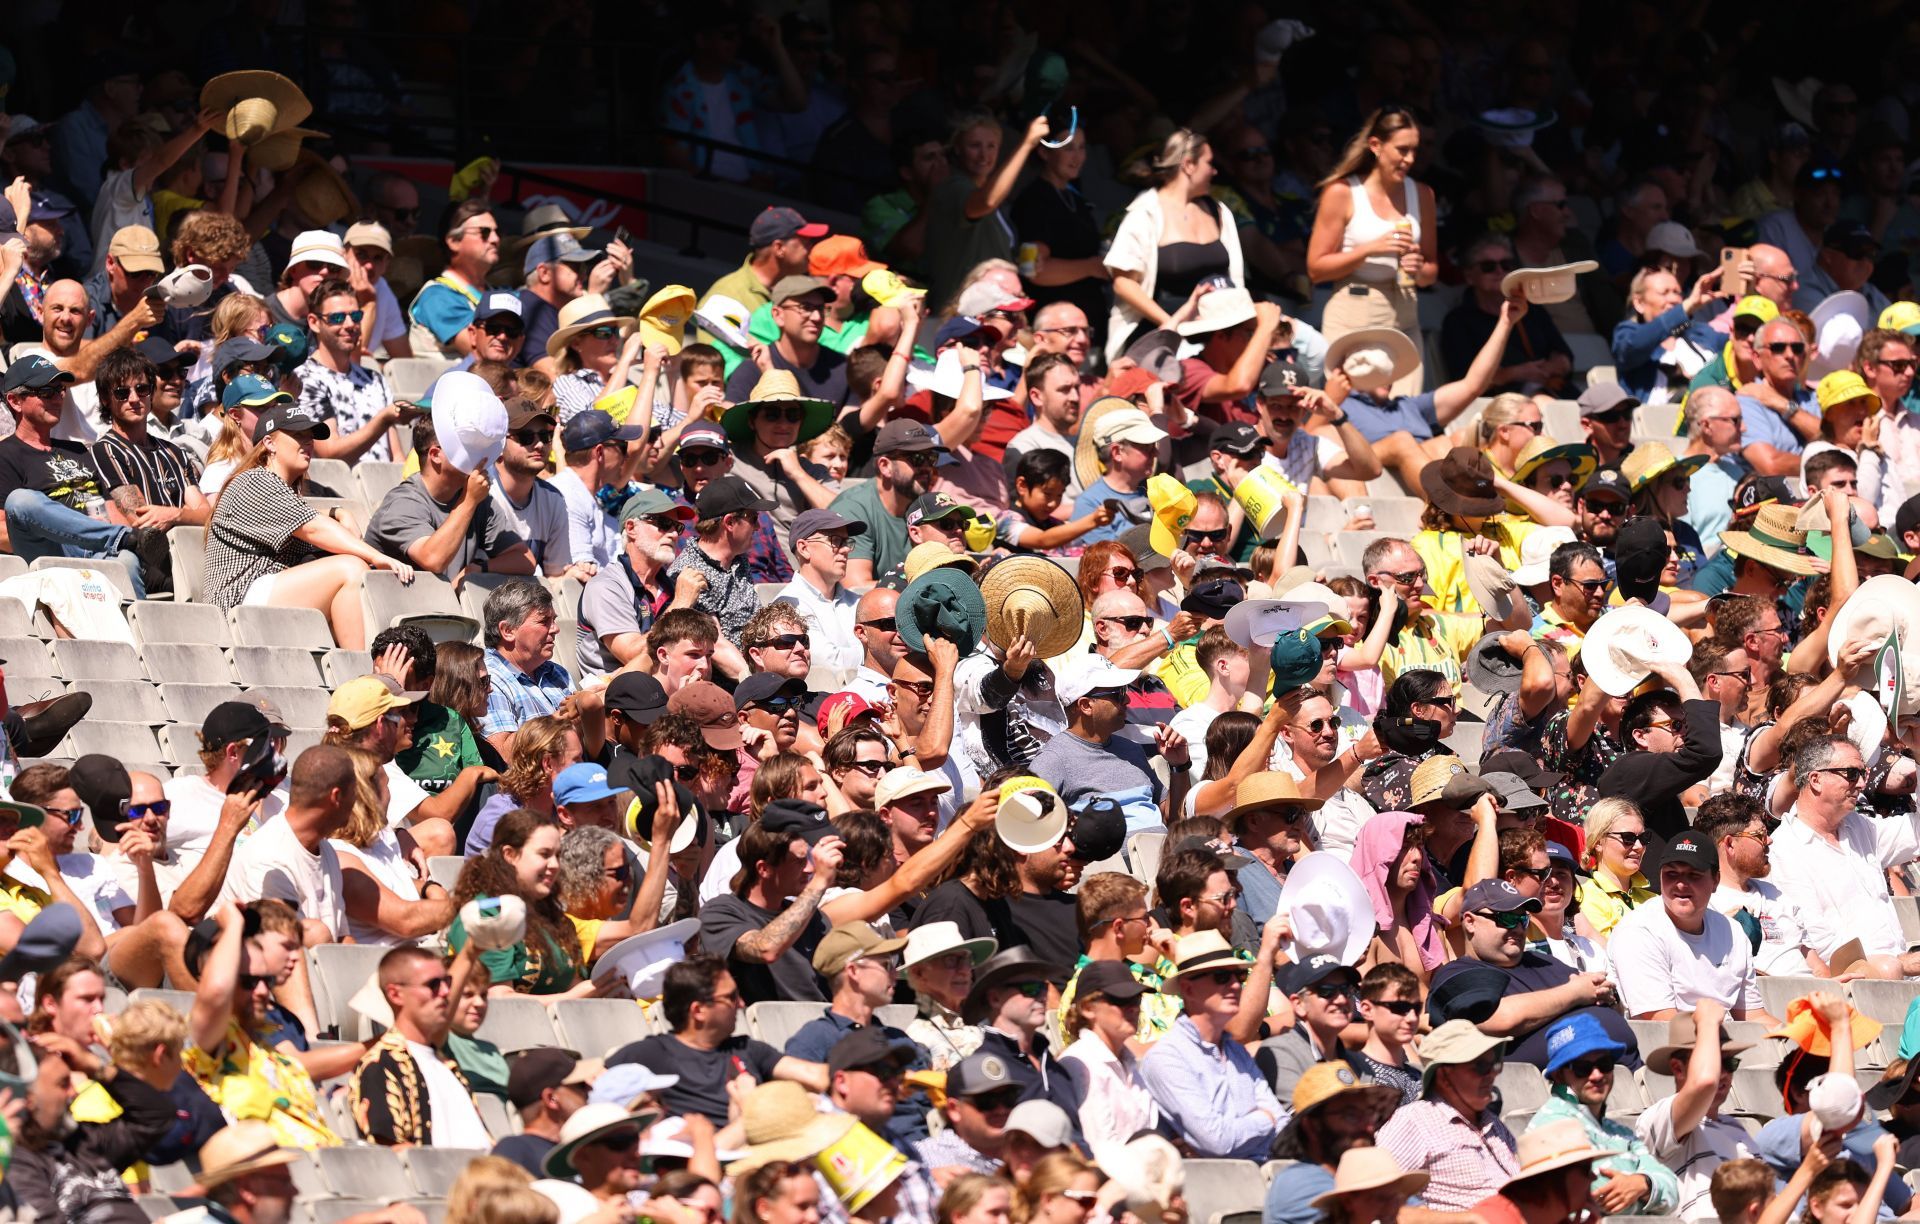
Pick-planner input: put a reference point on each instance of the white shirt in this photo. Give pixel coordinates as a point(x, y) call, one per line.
point(725, 864)
point(384, 862)
point(92, 878)
point(114, 208)
point(1114, 1101)
point(1336, 825)
point(1661, 967)
point(1695, 1156)
point(1783, 933)
point(391, 320)
point(595, 536)
point(830, 621)
point(1841, 890)
point(273, 863)
point(1732, 739)
point(196, 814)
point(456, 1121)
point(1038, 437)
point(403, 795)
point(869, 685)
point(575, 1201)
point(1192, 724)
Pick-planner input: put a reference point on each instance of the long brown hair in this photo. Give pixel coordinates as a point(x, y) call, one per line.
point(779, 777)
point(988, 867)
point(491, 875)
point(52, 984)
point(1357, 158)
point(454, 685)
point(537, 739)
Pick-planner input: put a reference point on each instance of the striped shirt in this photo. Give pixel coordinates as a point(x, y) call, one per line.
point(158, 468)
point(251, 535)
point(574, 392)
point(515, 696)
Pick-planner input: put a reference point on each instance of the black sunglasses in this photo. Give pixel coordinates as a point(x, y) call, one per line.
point(790, 413)
point(701, 458)
point(534, 438)
point(1584, 1067)
point(503, 327)
point(1399, 1007)
point(777, 704)
point(1211, 537)
point(687, 773)
point(1511, 920)
point(1797, 347)
point(126, 391)
point(885, 624)
point(1628, 840)
point(787, 641)
point(1340, 988)
point(1132, 624)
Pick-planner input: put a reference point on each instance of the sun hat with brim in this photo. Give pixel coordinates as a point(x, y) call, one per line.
point(1259, 622)
point(1536, 554)
point(590, 1124)
point(1268, 791)
point(1649, 461)
point(1813, 520)
point(945, 603)
point(1840, 322)
point(1545, 286)
point(663, 320)
point(1773, 540)
point(1884, 607)
point(1326, 1081)
point(1445, 778)
point(584, 313)
point(1490, 668)
point(239, 1149)
point(1008, 967)
point(1681, 1040)
point(1204, 952)
point(931, 555)
point(1451, 1044)
point(1842, 387)
point(1576, 1036)
point(1369, 1168)
point(1033, 597)
point(1219, 310)
point(1557, 1145)
point(777, 387)
point(322, 195)
point(280, 151)
point(1328, 906)
point(258, 103)
point(1542, 451)
point(643, 960)
point(1158, 353)
point(1402, 358)
point(1032, 816)
point(1622, 647)
point(782, 1124)
point(1462, 484)
point(1088, 463)
point(931, 939)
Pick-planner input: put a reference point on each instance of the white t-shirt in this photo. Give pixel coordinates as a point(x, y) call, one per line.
point(273, 863)
point(403, 795)
point(1661, 967)
point(384, 862)
point(1192, 723)
point(391, 320)
point(92, 878)
point(456, 1121)
point(115, 208)
point(1693, 1157)
point(196, 814)
point(575, 1201)
point(721, 869)
point(1783, 932)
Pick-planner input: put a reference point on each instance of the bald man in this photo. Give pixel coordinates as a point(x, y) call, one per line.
point(66, 318)
point(1777, 411)
point(1772, 275)
point(1713, 430)
point(880, 644)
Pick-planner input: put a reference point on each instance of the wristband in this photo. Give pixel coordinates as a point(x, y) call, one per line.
point(1340, 420)
point(1167, 635)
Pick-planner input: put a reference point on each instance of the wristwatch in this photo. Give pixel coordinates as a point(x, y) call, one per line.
point(1340, 420)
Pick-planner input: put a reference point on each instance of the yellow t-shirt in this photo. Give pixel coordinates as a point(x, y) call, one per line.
point(1445, 555)
point(1603, 903)
point(1180, 671)
point(588, 929)
point(1439, 642)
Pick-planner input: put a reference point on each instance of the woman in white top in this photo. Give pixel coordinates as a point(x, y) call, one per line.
point(378, 865)
point(1374, 234)
point(1173, 237)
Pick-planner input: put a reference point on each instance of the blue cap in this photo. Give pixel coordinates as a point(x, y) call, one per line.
point(959, 327)
point(621, 1083)
point(44, 206)
point(252, 391)
point(559, 245)
point(33, 370)
point(582, 783)
point(240, 349)
point(498, 302)
point(1576, 1036)
point(591, 428)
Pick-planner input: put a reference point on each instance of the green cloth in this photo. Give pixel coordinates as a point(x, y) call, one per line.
point(1713, 374)
point(527, 970)
point(443, 745)
point(841, 340)
point(481, 1062)
point(882, 220)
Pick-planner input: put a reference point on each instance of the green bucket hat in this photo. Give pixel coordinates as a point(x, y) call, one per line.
point(943, 603)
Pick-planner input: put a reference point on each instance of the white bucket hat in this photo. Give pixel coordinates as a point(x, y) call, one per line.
point(1536, 552)
point(1328, 907)
point(1623, 645)
point(643, 959)
point(1219, 310)
point(469, 421)
point(931, 939)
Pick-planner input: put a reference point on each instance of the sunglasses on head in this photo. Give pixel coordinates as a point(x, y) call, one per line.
point(126, 391)
point(334, 318)
point(701, 457)
point(1511, 920)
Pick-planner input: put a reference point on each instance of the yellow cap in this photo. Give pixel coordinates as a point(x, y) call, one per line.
point(1900, 316)
point(1843, 385)
point(1173, 506)
point(1754, 306)
point(359, 702)
point(884, 287)
point(663, 320)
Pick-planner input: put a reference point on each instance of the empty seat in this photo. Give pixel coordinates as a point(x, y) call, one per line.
point(774, 1021)
point(258, 626)
point(515, 1023)
point(367, 1172)
point(26, 656)
point(306, 1176)
point(1885, 1001)
point(82, 660)
point(163, 621)
point(116, 578)
point(338, 971)
point(377, 478)
point(1521, 1087)
point(435, 1169)
point(126, 700)
point(597, 1027)
point(1908, 911)
point(1217, 1189)
point(1562, 421)
point(1754, 1093)
point(191, 703)
point(1466, 740)
point(475, 590)
point(276, 666)
point(128, 741)
point(339, 665)
point(187, 662)
point(412, 378)
point(1352, 545)
point(10, 565)
point(427, 601)
point(188, 547)
point(1398, 515)
point(500, 1120)
point(1776, 991)
point(331, 1209)
point(334, 474)
point(1324, 513)
point(16, 619)
point(303, 707)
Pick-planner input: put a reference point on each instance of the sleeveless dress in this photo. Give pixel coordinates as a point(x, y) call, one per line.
point(1371, 295)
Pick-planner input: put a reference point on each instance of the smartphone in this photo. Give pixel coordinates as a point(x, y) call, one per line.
point(1730, 279)
point(1114, 507)
point(261, 771)
point(623, 236)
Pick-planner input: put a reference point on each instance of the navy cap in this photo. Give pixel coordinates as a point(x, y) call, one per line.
point(775, 223)
point(44, 943)
point(556, 247)
point(762, 685)
point(1110, 979)
point(979, 1074)
point(44, 206)
point(1691, 850)
point(240, 349)
point(1850, 236)
point(1497, 896)
point(1559, 854)
point(959, 327)
point(867, 1046)
point(1238, 438)
point(498, 302)
point(1294, 978)
point(813, 522)
point(592, 428)
point(796, 818)
point(33, 371)
point(1608, 481)
point(1213, 598)
point(160, 353)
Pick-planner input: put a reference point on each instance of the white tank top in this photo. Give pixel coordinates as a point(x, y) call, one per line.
point(1365, 225)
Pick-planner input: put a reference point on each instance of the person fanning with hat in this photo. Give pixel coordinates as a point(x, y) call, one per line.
point(1336, 1114)
point(1119, 451)
point(1466, 524)
point(1205, 1083)
point(441, 312)
point(1453, 1133)
point(1685, 1131)
point(1670, 735)
point(1536, 358)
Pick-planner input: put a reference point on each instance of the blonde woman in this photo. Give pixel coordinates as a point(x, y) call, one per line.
point(973, 1198)
point(494, 1190)
point(381, 867)
point(1061, 1189)
point(593, 349)
point(239, 315)
point(1375, 235)
point(964, 221)
point(1509, 423)
point(1174, 237)
point(266, 546)
point(1616, 845)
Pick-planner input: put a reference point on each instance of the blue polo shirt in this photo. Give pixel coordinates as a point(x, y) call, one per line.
point(1375, 419)
point(516, 696)
point(443, 310)
point(1759, 423)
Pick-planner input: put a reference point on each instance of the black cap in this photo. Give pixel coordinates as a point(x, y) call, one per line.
point(979, 1074)
point(536, 1070)
point(1497, 896)
point(638, 775)
point(290, 418)
point(1237, 438)
point(1522, 765)
point(905, 435)
point(1640, 553)
point(1692, 850)
point(638, 696)
point(931, 507)
point(240, 350)
point(102, 784)
point(1294, 978)
point(729, 495)
point(33, 371)
point(1110, 979)
point(1472, 993)
point(866, 1046)
point(1851, 237)
point(1757, 491)
point(1281, 378)
point(595, 427)
point(762, 685)
point(232, 722)
point(1213, 598)
point(796, 818)
point(1097, 828)
point(1607, 480)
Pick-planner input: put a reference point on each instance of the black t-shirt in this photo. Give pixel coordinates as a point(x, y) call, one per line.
point(1538, 972)
point(725, 919)
point(65, 473)
point(1065, 222)
point(1051, 926)
point(954, 902)
point(704, 1074)
point(527, 1151)
point(825, 379)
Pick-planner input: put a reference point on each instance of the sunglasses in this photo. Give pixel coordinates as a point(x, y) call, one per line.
point(792, 414)
point(1132, 624)
point(1409, 578)
point(1900, 365)
point(482, 232)
point(250, 982)
point(1538, 873)
point(778, 704)
point(139, 811)
point(1612, 417)
point(173, 371)
point(885, 624)
point(1399, 1007)
point(1493, 265)
point(1555, 480)
point(501, 327)
point(1445, 703)
point(535, 439)
point(626, 1140)
point(1584, 1067)
point(334, 318)
point(1797, 347)
point(872, 769)
point(997, 1102)
point(1529, 426)
point(436, 985)
point(1511, 920)
point(620, 874)
point(1341, 989)
point(1321, 726)
point(1211, 537)
point(1123, 574)
point(701, 458)
point(787, 641)
point(606, 331)
point(127, 391)
point(1853, 775)
point(922, 689)
point(1825, 174)
point(1629, 840)
point(665, 524)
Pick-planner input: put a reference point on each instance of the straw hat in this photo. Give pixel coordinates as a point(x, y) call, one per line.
point(1369, 1168)
point(1624, 644)
point(1462, 484)
point(1203, 952)
point(781, 1123)
point(257, 103)
point(1545, 286)
point(584, 313)
point(1088, 463)
point(931, 555)
point(1557, 1145)
point(1219, 310)
point(777, 387)
point(1036, 597)
point(1370, 374)
point(1773, 540)
point(322, 195)
point(1324, 1081)
point(1268, 791)
point(1681, 1039)
point(279, 151)
point(1649, 461)
point(1542, 451)
point(237, 1150)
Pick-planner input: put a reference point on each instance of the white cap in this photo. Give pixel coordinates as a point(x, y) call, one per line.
point(1090, 673)
point(897, 784)
point(1127, 425)
point(469, 421)
point(493, 923)
point(1835, 1101)
point(318, 246)
point(1042, 1121)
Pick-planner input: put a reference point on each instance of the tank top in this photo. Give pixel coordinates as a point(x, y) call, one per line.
point(1365, 225)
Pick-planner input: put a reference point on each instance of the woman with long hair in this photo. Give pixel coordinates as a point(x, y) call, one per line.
point(964, 222)
point(1175, 236)
point(461, 684)
point(1376, 234)
point(494, 1190)
point(543, 746)
point(1659, 483)
point(1504, 427)
point(1227, 737)
point(267, 546)
point(975, 889)
point(1559, 917)
point(523, 862)
point(1659, 347)
point(379, 855)
point(1467, 515)
point(1616, 846)
point(1060, 1190)
point(1390, 857)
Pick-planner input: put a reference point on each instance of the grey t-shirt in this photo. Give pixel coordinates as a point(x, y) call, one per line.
point(542, 523)
point(608, 607)
point(409, 514)
point(1080, 769)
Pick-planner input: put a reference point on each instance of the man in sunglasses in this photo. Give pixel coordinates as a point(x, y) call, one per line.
point(621, 601)
point(1206, 1084)
point(1600, 506)
point(532, 506)
point(498, 331)
point(905, 456)
point(1577, 578)
point(821, 543)
point(1672, 742)
point(152, 481)
point(1778, 411)
point(1844, 264)
point(1287, 403)
point(1536, 357)
point(443, 309)
point(1606, 413)
point(1582, 1070)
point(170, 367)
point(1667, 957)
point(1713, 430)
point(800, 304)
point(357, 400)
point(401, 1099)
point(1325, 996)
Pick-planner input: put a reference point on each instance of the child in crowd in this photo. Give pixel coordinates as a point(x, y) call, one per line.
point(1039, 486)
point(1741, 1189)
point(832, 450)
point(1390, 1005)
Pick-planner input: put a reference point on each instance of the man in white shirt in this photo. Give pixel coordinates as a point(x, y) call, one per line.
point(820, 541)
point(1735, 825)
point(288, 858)
point(1668, 957)
point(880, 644)
point(595, 449)
point(1225, 664)
point(1685, 1131)
point(225, 737)
point(408, 1066)
point(1309, 742)
point(1833, 861)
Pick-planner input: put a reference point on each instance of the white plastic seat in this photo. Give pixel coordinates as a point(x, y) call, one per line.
point(1466, 740)
point(597, 1027)
point(377, 478)
point(26, 656)
point(16, 619)
point(154, 621)
point(111, 568)
point(10, 565)
point(275, 666)
point(500, 1120)
point(340, 665)
point(1562, 421)
point(427, 601)
point(187, 662)
point(1143, 852)
point(444, 869)
point(366, 1172)
point(338, 971)
point(566, 644)
point(335, 474)
point(126, 700)
point(189, 704)
point(1352, 545)
point(188, 548)
point(1776, 991)
point(1398, 516)
point(179, 1000)
point(515, 1023)
point(775, 1021)
point(1521, 1087)
point(435, 1169)
point(303, 707)
point(1219, 1189)
point(1885, 1001)
point(262, 626)
point(84, 660)
point(129, 741)
point(411, 378)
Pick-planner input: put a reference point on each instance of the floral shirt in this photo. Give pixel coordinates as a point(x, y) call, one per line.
point(248, 1080)
point(1387, 781)
point(1583, 766)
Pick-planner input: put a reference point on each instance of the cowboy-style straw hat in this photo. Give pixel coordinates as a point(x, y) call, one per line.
point(1649, 461)
point(1203, 952)
point(777, 387)
point(322, 195)
point(279, 151)
point(584, 313)
point(1680, 1040)
point(1088, 463)
point(1557, 1145)
point(1402, 356)
point(1369, 1168)
point(782, 1124)
point(237, 1150)
point(1542, 451)
point(1268, 791)
point(1036, 597)
point(258, 103)
point(1462, 484)
point(1773, 540)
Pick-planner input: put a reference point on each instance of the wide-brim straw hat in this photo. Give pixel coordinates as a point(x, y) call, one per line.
point(782, 1124)
point(322, 196)
point(1649, 461)
point(1773, 540)
point(1624, 644)
point(1369, 1168)
point(777, 387)
point(1401, 352)
point(258, 103)
point(1462, 483)
point(585, 313)
point(281, 150)
point(1265, 792)
point(1088, 463)
point(239, 1149)
point(1545, 286)
point(1557, 1145)
point(1036, 597)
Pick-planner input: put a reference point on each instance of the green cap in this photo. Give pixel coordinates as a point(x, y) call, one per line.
point(653, 501)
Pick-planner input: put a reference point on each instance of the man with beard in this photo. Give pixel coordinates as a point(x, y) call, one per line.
point(821, 541)
point(406, 1091)
point(1332, 1113)
point(535, 508)
point(1778, 412)
point(1736, 825)
point(1053, 394)
point(1577, 575)
point(905, 454)
point(1311, 736)
point(31, 228)
point(1286, 402)
point(1603, 503)
point(339, 389)
point(1044, 906)
point(622, 600)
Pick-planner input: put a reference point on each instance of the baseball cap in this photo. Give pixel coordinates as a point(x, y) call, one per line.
point(652, 500)
point(866, 1046)
point(318, 246)
point(798, 818)
point(1756, 491)
point(498, 302)
point(960, 327)
point(775, 223)
point(234, 722)
point(554, 248)
point(762, 685)
point(884, 286)
point(160, 353)
point(1850, 236)
point(1110, 979)
point(813, 522)
point(285, 416)
point(1901, 317)
point(534, 1071)
point(582, 783)
point(238, 351)
point(1281, 378)
point(1753, 306)
point(1127, 424)
point(841, 255)
point(361, 700)
point(137, 248)
point(1091, 674)
point(707, 704)
point(33, 371)
point(369, 234)
point(1294, 659)
point(904, 435)
point(1041, 1121)
point(838, 710)
point(290, 343)
point(1294, 978)
point(904, 780)
point(1497, 896)
point(978, 1074)
point(729, 495)
point(252, 391)
point(593, 428)
point(703, 434)
point(789, 287)
point(849, 942)
point(1238, 438)
point(1608, 481)
point(638, 696)
point(1213, 598)
point(1601, 398)
point(1690, 849)
point(932, 507)
point(102, 784)
point(43, 206)
point(522, 412)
